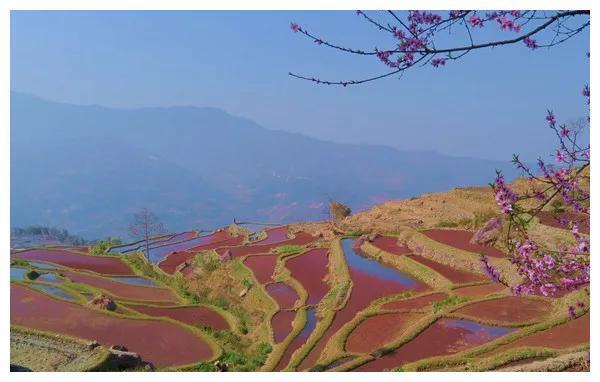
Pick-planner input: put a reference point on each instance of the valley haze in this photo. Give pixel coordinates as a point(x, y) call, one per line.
point(90, 168)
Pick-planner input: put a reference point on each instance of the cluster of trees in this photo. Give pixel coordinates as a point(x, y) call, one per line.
point(60, 234)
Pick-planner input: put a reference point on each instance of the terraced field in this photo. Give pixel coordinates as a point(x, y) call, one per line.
point(284, 300)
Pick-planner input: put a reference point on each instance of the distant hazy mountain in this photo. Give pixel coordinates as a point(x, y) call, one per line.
point(89, 168)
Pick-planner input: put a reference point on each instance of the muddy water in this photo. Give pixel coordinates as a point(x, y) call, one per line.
point(262, 266)
point(39, 265)
point(445, 336)
point(310, 270)
point(299, 340)
point(158, 253)
point(461, 240)
point(371, 280)
point(99, 264)
point(281, 323)
point(275, 235)
point(135, 280)
point(18, 273)
point(283, 294)
point(50, 278)
point(123, 290)
point(192, 315)
point(160, 342)
point(54, 291)
point(371, 267)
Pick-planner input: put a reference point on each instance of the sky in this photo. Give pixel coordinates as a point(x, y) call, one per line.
point(490, 104)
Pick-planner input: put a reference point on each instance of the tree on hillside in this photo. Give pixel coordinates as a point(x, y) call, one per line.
point(416, 41)
point(145, 226)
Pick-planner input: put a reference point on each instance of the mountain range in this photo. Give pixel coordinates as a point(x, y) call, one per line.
point(90, 168)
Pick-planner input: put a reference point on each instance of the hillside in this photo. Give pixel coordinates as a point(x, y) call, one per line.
point(306, 296)
point(88, 168)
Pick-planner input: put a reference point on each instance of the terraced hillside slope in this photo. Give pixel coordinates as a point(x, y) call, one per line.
point(397, 287)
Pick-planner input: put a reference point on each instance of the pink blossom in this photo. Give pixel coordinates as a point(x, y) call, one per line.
point(505, 197)
point(490, 270)
point(476, 21)
point(572, 312)
point(550, 118)
point(437, 62)
point(530, 43)
point(295, 27)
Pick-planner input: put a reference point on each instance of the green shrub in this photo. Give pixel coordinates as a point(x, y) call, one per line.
point(204, 366)
point(446, 224)
point(265, 348)
point(284, 249)
point(557, 207)
point(32, 275)
point(354, 232)
point(247, 283)
point(448, 301)
point(101, 247)
point(208, 261)
point(19, 262)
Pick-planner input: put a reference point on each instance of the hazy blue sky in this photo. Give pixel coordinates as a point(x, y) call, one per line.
point(489, 105)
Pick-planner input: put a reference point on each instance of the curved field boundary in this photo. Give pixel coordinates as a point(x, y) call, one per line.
point(390, 245)
point(274, 236)
point(282, 324)
point(97, 363)
point(123, 290)
point(278, 354)
point(491, 348)
point(554, 220)
point(378, 330)
point(257, 296)
point(415, 303)
point(303, 327)
point(558, 318)
point(64, 287)
point(442, 337)
point(231, 320)
point(451, 311)
point(572, 333)
point(170, 263)
point(189, 314)
point(159, 253)
point(283, 275)
point(508, 309)
point(338, 278)
point(368, 285)
point(461, 239)
point(159, 341)
point(302, 238)
point(122, 248)
point(310, 269)
point(457, 258)
point(263, 267)
point(456, 276)
point(336, 346)
point(285, 296)
point(340, 285)
point(508, 360)
point(480, 290)
point(107, 265)
point(407, 265)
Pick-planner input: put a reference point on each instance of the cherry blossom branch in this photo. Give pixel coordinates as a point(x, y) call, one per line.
point(415, 38)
